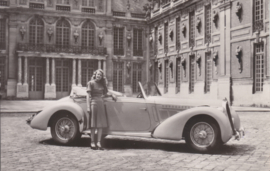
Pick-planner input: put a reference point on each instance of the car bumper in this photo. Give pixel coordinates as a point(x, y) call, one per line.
point(29, 120)
point(239, 134)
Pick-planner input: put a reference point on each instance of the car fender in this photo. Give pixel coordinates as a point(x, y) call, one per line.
point(41, 120)
point(172, 128)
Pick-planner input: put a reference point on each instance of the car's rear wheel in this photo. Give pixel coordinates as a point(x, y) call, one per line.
point(203, 135)
point(65, 129)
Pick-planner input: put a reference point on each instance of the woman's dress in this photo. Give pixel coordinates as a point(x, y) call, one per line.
point(98, 114)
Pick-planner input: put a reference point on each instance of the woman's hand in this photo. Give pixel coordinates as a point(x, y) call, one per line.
point(114, 97)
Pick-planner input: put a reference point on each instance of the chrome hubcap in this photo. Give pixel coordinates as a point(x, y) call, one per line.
point(202, 134)
point(65, 128)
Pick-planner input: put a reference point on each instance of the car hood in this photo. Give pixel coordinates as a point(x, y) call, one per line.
point(185, 102)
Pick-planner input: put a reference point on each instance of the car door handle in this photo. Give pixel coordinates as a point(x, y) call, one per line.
point(143, 109)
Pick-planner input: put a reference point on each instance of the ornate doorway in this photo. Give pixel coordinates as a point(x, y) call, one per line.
point(36, 78)
point(62, 77)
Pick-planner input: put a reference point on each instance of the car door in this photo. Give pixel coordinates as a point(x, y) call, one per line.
point(128, 114)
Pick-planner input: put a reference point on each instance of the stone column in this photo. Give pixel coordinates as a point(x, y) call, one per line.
point(108, 42)
point(19, 70)
point(104, 67)
point(79, 73)
point(47, 71)
point(99, 64)
point(50, 89)
point(74, 73)
point(25, 71)
point(12, 61)
point(53, 71)
point(22, 88)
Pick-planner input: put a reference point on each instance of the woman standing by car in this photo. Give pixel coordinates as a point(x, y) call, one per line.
point(97, 89)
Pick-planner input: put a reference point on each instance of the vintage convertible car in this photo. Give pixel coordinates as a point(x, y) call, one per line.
point(204, 128)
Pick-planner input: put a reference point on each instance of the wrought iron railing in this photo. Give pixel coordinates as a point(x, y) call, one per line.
point(61, 49)
point(138, 52)
point(4, 3)
point(118, 52)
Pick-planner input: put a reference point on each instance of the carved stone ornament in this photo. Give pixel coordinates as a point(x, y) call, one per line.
point(215, 17)
point(160, 38)
point(183, 62)
point(100, 38)
point(76, 36)
point(128, 39)
point(160, 69)
point(150, 39)
point(22, 32)
point(238, 54)
point(215, 59)
point(50, 19)
point(76, 21)
point(150, 66)
point(50, 33)
point(128, 68)
point(198, 61)
point(184, 29)
point(171, 34)
point(198, 24)
point(238, 10)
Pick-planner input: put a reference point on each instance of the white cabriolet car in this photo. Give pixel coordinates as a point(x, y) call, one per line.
point(203, 127)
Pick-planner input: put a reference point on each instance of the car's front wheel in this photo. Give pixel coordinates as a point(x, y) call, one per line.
point(203, 135)
point(65, 129)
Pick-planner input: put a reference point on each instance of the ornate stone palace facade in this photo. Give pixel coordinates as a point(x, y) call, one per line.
point(203, 49)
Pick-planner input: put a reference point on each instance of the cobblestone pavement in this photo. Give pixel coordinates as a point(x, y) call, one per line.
point(23, 148)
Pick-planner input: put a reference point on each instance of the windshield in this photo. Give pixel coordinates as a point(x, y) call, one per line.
point(151, 89)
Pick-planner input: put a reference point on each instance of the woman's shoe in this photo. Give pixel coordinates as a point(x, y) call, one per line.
point(99, 147)
point(93, 146)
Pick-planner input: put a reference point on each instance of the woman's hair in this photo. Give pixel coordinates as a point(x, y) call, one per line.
point(103, 79)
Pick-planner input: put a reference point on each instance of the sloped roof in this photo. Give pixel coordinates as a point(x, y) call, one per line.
point(136, 6)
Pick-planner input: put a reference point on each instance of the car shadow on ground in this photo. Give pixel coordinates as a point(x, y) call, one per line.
point(120, 144)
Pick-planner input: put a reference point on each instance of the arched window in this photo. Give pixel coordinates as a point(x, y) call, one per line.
point(62, 33)
point(36, 31)
point(88, 35)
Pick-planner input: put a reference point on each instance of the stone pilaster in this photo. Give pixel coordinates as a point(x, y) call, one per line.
point(74, 73)
point(12, 61)
point(104, 67)
point(50, 89)
point(99, 64)
point(22, 88)
point(79, 72)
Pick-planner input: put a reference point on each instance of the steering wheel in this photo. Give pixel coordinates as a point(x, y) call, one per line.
point(140, 95)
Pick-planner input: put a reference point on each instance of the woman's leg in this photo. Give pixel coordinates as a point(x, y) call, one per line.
point(93, 139)
point(99, 138)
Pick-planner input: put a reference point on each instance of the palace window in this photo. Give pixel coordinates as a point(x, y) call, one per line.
point(88, 68)
point(166, 37)
point(208, 72)
point(118, 38)
point(89, 3)
point(166, 77)
point(88, 35)
point(259, 67)
point(192, 73)
point(136, 77)
point(191, 29)
point(2, 34)
point(178, 74)
point(258, 15)
point(23, 2)
point(137, 42)
point(178, 33)
point(36, 31)
point(208, 24)
point(62, 33)
point(118, 68)
point(156, 76)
